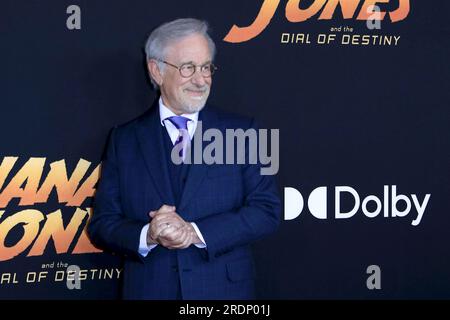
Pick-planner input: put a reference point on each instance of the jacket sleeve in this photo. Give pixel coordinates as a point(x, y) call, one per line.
point(109, 228)
point(257, 217)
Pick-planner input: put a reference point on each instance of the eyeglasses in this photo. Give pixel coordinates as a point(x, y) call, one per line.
point(188, 69)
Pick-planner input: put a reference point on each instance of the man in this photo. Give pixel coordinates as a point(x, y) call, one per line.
point(184, 230)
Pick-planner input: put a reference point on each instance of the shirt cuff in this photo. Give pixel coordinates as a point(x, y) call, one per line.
point(199, 234)
point(144, 248)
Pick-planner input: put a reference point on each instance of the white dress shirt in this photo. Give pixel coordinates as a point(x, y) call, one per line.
point(173, 132)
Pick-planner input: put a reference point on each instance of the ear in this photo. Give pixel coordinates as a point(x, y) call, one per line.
point(156, 74)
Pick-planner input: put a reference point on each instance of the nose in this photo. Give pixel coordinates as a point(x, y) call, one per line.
point(197, 78)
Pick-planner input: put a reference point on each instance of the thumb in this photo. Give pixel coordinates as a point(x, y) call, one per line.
point(166, 208)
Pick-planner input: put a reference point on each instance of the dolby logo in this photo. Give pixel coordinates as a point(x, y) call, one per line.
point(390, 204)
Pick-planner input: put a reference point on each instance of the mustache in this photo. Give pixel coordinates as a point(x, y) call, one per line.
point(199, 89)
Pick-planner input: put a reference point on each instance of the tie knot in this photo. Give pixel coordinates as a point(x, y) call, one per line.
point(179, 122)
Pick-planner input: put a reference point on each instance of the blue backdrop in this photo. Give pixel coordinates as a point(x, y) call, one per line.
point(351, 114)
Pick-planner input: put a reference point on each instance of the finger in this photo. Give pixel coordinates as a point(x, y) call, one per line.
point(169, 222)
point(187, 241)
point(154, 226)
point(168, 243)
point(181, 239)
point(166, 208)
point(166, 217)
point(164, 243)
point(173, 231)
point(176, 238)
point(156, 229)
point(153, 231)
point(170, 233)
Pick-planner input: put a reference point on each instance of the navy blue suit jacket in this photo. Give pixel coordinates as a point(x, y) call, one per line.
point(232, 205)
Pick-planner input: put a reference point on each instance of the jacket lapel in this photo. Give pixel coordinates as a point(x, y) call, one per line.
point(149, 135)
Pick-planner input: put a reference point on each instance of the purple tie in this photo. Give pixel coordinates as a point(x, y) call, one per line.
point(181, 124)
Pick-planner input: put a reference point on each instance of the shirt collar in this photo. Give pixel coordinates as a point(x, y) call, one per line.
point(165, 112)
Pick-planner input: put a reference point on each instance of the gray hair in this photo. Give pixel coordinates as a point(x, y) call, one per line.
point(169, 32)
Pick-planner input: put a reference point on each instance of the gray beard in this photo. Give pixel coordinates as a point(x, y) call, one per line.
point(194, 108)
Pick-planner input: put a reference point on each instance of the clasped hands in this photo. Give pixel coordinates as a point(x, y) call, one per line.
point(169, 230)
